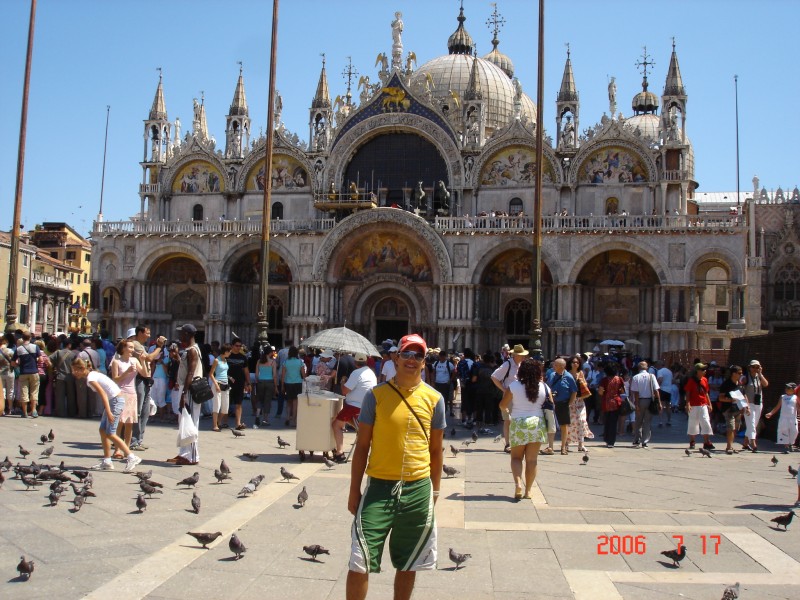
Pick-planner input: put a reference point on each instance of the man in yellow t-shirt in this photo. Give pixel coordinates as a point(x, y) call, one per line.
point(401, 428)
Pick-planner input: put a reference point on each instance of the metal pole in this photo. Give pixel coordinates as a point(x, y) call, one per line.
point(736, 90)
point(266, 213)
point(536, 271)
point(103, 176)
point(11, 306)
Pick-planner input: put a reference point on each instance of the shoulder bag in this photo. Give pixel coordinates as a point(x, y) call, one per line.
point(413, 412)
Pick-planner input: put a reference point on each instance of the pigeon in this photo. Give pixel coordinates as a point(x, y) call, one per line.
point(467, 443)
point(141, 503)
point(144, 475)
point(2, 479)
point(190, 481)
point(676, 556)
point(51, 436)
point(705, 452)
point(784, 520)
point(62, 467)
point(6, 464)
point(687, 452)
point(47, 452)
point(236, 546)
point(84, 491)
point(453, 432)
point(196, 503)
point(248, 489)
point(450, 471)
point(282, 443)
point(314, 550)
point(774, 461)
point(78, 501)
point(256, 481)
point(204, 538)
point(25, 568)
point(458, 558)
point(251, 455)
point(302, 497)
point(43, 439)
point(237, 433)
point(498, 438)
point(329, 463)
point(155, 484)
point(792, 472)
point(731, 592)
point(224, 468)
point(56, 487)
point(22, 452)
point(29, 482)
point(585, 459)
point(474, 436)
point(221, 476)
point(454, 450)
point(80, 474)
point(287, 475)
point(149, 489)
point(54, 498)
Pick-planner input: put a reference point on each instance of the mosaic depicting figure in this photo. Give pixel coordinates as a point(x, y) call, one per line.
point(248, 269)
point(197, 178)
point(617, 268)
point(513, 167)
point(612, 165)
point(385, 253)
point(287, 174)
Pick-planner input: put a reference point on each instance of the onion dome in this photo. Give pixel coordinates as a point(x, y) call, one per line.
point(460, 42)
point(501, 60)
point(645, 102)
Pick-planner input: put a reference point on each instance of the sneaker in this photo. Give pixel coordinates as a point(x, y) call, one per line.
point(103, 466)
point(34, 415)
point(131, 463)
point(255, 426)
point(609, 445)
point(691, 445)
point(709, 446)
point(644, 445)
point(241, 426)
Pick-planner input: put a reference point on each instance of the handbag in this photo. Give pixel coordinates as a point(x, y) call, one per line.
point(200, 391)
point(627, 407)
point(655, 401)
point(223, 387)
point(187, 432)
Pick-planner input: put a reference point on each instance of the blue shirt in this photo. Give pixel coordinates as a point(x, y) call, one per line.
point(563, 386)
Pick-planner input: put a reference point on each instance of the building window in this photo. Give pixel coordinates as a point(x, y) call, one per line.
point(197, 212)
point(787, 283)
point(87, 257)
point(24, 260)
point(70, 255)
point(722, 319)
point(23, 313)
point(85, 278)
point(54, 254)
point(515, 206)
point(24, 288)
point(277, 210)
point(518, 318)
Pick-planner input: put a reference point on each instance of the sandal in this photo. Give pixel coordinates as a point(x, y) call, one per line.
point(216, 429)
point(564, 452)
point(518, 494)
point(548, 451)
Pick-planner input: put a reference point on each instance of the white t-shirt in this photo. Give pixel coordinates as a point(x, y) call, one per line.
point(506, 373)
point(443, 371)
point(645, 384)
point(388, 370)
point(359, 383)
point(105, 382)
point(665, 376)
point(521, 407)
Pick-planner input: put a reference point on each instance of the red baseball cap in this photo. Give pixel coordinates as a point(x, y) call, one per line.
point(413, 340)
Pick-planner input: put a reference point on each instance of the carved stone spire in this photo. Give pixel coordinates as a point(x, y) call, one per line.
point(239, 104)
point(237, 123)
point(473, 91)
point(568, 91)
point(567, 109)
point(159, 109)
point(322, 99)
point(674, 83)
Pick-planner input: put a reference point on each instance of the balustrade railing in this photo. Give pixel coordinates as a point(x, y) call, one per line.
point(49, 280)
point(210, 227)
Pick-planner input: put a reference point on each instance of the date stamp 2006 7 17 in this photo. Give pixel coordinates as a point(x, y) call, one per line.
point(629, 544)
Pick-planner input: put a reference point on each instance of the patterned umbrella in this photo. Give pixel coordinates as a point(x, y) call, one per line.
point(341, 339)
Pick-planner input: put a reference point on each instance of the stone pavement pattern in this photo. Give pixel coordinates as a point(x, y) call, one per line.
point(545, 548)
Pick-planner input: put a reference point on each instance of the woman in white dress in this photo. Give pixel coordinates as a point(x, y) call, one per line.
point(787, 422)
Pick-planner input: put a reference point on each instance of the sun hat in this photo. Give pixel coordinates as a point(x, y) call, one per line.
point(360, 357)
point(519, 350)
point(131, 332)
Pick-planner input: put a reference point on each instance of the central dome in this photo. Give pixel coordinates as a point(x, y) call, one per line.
point(451, 72)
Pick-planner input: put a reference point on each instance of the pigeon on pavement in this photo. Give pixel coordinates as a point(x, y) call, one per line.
point(251, 455)
point(474, 436)
point(190, 481)
point(687, 452)
point(221, 476)
point(47, 452)
point(459, 559)
point(450, 471)
point(205, 538)
point(585, 459)
point(25, 568)
point(22, 452)
point(256, 481)
point(248, 489)
point(84, 491)
point(454, 450)
point(51, 436)
point(29, 482)
point(467, 443)
point(282, 443)
point(80, 473)
point(196, 503)
point(6, 464)
point(287, 475)
point(302, 497)
point(731, 592)
point(78, 502)
point(706, 453)
point(453, 432)
point(676, 556)
point(497, 438)
point(329, 463)
point(774, 461)
point(784, 520)
point(155, 484)
point(149, 489)
point(236, 546)
point(792, 472)
point(314, 550)
point(237, 433)
point(54, 498)
point(224, 468)
point(43, 439)
point(141, 503)
point(144, 475)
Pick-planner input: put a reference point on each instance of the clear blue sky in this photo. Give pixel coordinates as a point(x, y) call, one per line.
point(93, 53)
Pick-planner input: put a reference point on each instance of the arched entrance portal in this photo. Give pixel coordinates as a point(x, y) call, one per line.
point(391, 319)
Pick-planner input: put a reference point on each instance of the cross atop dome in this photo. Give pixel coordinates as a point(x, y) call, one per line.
point(644, 64)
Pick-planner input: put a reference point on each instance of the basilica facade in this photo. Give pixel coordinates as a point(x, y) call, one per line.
point(408, 207)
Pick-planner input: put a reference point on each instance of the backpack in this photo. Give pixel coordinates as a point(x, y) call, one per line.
point(464, 370)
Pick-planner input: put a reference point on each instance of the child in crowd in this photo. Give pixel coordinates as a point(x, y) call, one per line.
point(787, 422)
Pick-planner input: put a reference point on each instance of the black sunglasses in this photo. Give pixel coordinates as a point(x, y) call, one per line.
point(409, 354)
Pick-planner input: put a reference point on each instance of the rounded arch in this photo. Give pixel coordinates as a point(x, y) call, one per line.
point(516, 244)
point(176, 268)
point(377, 289)
point(386, 123)
point(144, 265)
point(189, 305)
point(110, 299)
point(289, 174)
point(178, 177)
point(714, 255)
point(383, 219)
point(648, 257)
point(256, 157)
point(232, 258)
point(612, 166)
point(517, 155)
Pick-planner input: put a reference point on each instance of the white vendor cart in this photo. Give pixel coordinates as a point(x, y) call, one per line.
point(315, 412)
